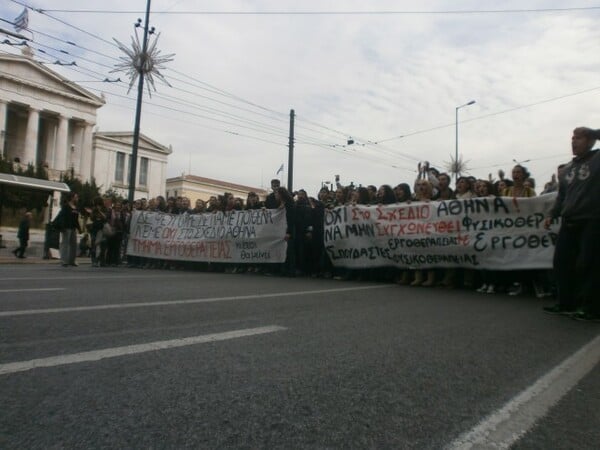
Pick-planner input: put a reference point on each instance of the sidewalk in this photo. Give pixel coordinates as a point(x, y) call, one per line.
point(35, 251)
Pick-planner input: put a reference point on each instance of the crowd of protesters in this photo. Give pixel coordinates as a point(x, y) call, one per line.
point(106, 226)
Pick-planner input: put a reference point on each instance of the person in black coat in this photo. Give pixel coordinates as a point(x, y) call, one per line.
point(286, 201)
point(271, 202)
point(67, 222)
point(23, 235)
point(303, 239)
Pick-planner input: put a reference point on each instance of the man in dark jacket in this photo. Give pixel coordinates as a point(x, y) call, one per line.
point(23, 235)
point(577, 253)
point(303, 239)
point(270, 201)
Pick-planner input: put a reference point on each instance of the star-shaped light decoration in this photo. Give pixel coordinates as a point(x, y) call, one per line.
point(139, 63)
point(457, 167)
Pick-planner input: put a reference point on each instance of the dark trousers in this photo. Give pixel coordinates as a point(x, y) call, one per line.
point(577, 265)
point(20, 251)
point(113, 249)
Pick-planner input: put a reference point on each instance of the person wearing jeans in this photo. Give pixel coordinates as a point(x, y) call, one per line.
point(577, 252)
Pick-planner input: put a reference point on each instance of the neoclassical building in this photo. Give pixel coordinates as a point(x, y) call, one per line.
point(195, 187)
point(112, 161)
point(46, 119)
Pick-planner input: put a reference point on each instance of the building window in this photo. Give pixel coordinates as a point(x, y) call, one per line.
point(120, 167)
point(143, 171)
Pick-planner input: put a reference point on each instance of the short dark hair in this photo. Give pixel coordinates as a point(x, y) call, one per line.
point(587, 132)
point(526, 173)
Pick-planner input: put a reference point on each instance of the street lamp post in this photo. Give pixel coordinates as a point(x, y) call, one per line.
point(142, 62)
point(138, 109)
point(456, 146)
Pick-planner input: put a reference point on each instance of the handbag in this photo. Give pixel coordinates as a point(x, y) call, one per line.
point(108, 230)
point(59, 222)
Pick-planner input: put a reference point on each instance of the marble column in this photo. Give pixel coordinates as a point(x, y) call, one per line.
point(31, 137)
point(86, 151)
point(3, 108)
point(62, 140)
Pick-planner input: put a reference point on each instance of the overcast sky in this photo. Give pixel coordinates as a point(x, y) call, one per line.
point(370, 77)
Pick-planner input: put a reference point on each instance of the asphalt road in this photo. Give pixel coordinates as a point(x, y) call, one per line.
point(204, 360)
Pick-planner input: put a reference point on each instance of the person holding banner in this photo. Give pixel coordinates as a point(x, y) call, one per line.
point(423, 193)
point(577, 252)
point(402, 193)
point(464, 188)
point(271, 202)
point(284, 200)
point(444, 192)
point(518, 189)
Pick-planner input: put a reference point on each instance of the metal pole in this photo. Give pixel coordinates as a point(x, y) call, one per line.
point(456, 143)
point(456, 147)
point(291, 154)
point(138, 109)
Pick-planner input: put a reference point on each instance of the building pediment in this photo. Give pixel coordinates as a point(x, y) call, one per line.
point(25, 71)
point(126, 138)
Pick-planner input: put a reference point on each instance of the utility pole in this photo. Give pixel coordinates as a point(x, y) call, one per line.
point(138, 108)
point(456, 167)
point(291, 154)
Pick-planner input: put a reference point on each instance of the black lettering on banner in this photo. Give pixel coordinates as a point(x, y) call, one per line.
point(500, 205)
point(480, 244)
point(362, 229)
point(331, 234)
point(335, 216)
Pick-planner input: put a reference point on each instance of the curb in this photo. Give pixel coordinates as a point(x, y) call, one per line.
point(37, 260)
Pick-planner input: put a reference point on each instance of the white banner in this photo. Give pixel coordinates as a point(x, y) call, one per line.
point(499, 233)
point(253, 236)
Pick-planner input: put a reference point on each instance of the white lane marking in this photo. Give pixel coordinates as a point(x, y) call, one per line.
point(31, 290)
point(93, 277)
point(507, 425)
point(28, 312)
point(97, 355)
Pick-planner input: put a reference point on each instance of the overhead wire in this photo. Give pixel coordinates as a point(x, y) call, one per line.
point(189, 113)
point(210, 89)
point(213, 88)
point(41, 11)
point(508, 163)
point(333, 13)
point(385, 163)
point(364, 142)
point(485, 116)
point(177, 100)
point(71, 43)
point(283, 144)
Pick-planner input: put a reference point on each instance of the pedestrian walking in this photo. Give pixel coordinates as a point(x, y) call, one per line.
point(23, 235)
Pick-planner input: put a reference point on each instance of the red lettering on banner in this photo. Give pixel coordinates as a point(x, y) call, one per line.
point(412, 228)
point(419, 212)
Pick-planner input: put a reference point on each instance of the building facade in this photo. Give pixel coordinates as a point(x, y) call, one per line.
point(46, 119)
point(112, 162)
point(195, 187)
